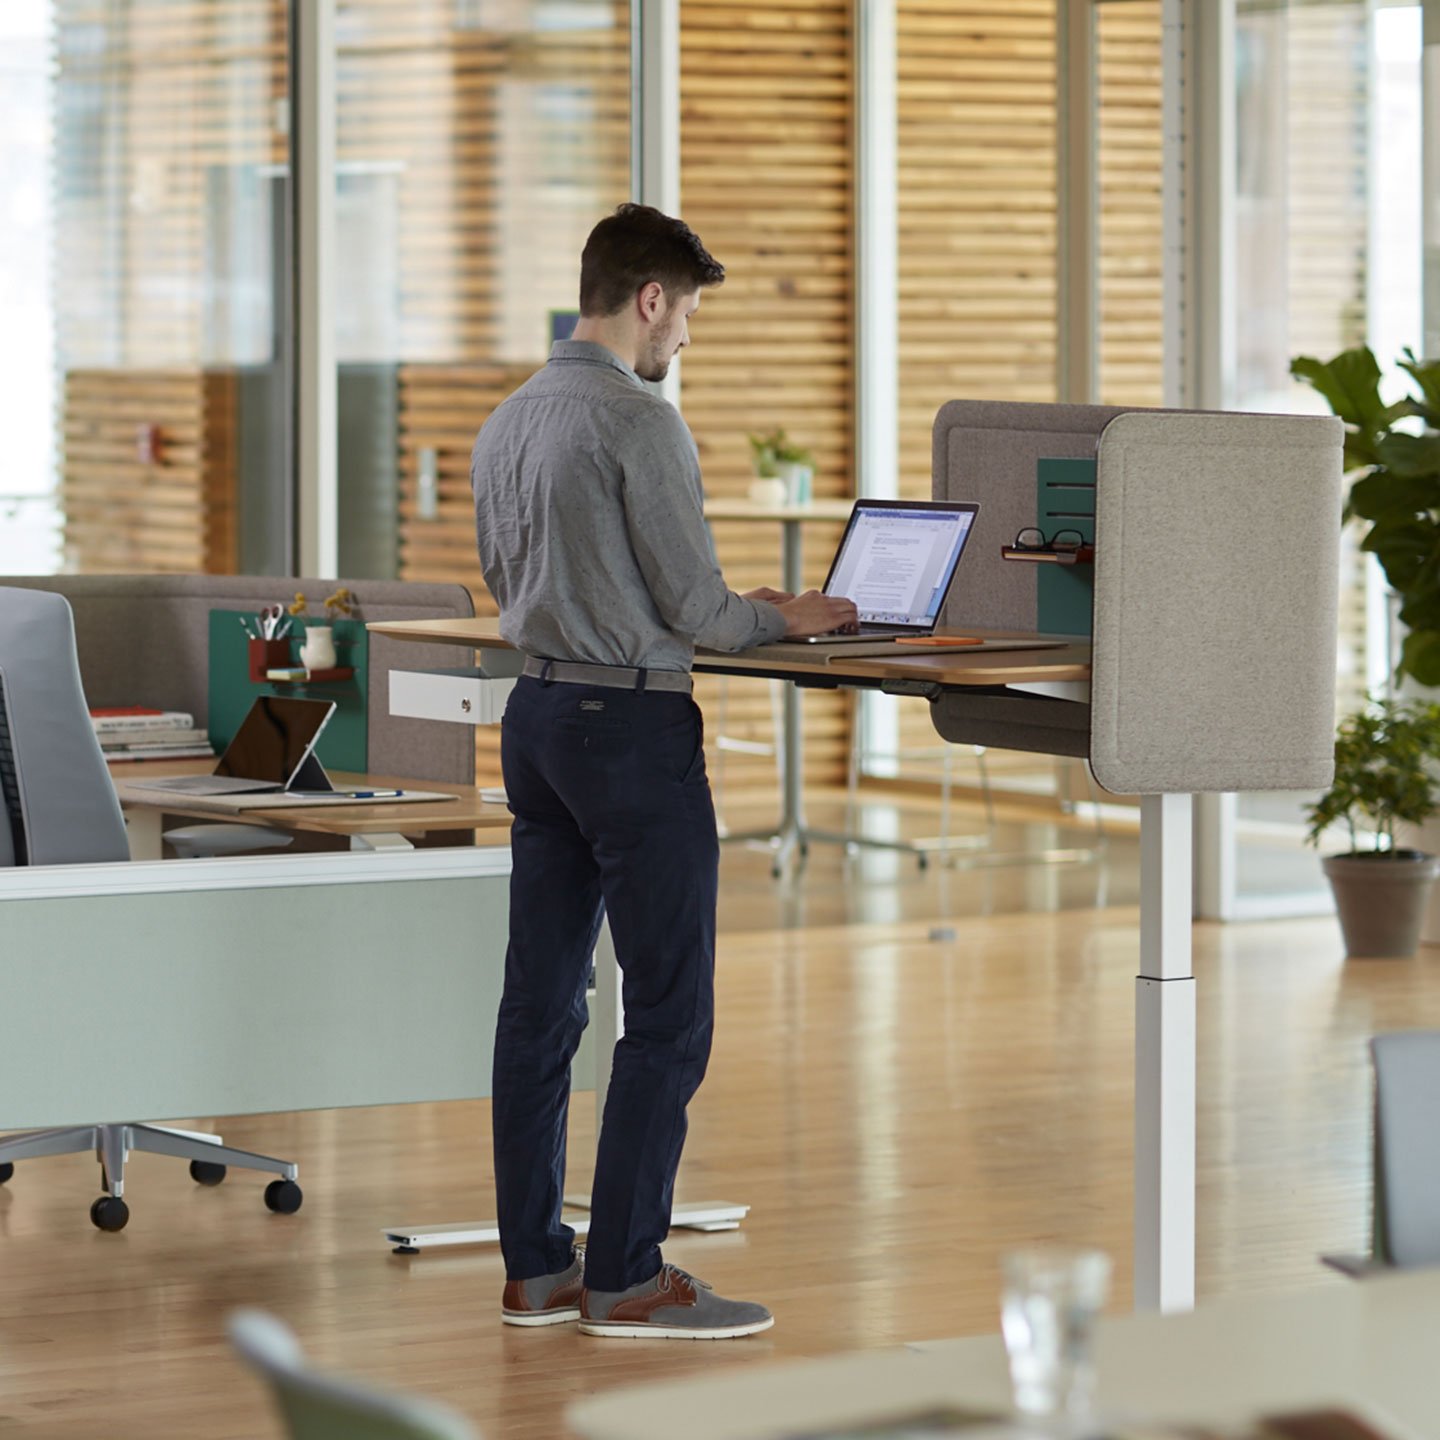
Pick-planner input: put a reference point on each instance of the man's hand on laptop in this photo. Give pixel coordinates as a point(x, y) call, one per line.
point(775, 597)
point(814, 613)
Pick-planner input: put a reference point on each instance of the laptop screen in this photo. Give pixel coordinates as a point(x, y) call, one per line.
point(897, 559)
point(274, 738)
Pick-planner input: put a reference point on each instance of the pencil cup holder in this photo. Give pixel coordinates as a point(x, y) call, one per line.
point(267, 655)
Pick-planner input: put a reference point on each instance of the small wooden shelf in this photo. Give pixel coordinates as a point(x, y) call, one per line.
point(1084, 555)
point(319, 677)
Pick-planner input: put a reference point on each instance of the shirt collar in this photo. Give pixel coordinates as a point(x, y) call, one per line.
point(588, 352)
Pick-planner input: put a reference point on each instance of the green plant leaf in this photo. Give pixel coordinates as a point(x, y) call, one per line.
point(1420, 657)
point(1384, 495)
point(1413, 457)
point(1350, 385)
point(1402, 547)
point(1426, 374)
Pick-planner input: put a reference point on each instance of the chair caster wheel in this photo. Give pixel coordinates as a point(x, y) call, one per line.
point(206, 1172)
point(6, 1171)
point(406, 1250)
point(283, 1197)
point(109, 1212)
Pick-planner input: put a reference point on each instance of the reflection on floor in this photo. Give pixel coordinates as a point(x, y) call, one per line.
point(1094, 866)
point(913, 1071)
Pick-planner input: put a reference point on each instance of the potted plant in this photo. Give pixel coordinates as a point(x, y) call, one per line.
point(1385, 760)
point(777, 457)
point(1398, 490)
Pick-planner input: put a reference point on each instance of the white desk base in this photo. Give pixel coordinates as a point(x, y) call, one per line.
point(607, 1015)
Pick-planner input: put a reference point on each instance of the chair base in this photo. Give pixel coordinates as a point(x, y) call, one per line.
point(112, 1145)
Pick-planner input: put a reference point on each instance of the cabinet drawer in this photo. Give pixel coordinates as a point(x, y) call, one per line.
point(469, 696)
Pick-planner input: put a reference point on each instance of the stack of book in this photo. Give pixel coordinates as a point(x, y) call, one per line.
point(135, 732)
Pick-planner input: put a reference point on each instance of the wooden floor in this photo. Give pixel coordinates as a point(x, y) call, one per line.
point(912, 1072)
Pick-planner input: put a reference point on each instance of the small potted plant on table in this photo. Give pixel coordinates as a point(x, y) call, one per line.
point(785, 470)
point(1385, 757)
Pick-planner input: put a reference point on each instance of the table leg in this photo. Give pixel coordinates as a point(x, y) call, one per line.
point(1165, 1061)
point(144, 829)
point(790, 834)
point(608, 1018)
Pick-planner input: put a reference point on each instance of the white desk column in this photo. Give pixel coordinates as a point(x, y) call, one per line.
point(1165, 1061)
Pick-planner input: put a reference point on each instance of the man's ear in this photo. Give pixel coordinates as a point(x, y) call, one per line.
point(650, 297)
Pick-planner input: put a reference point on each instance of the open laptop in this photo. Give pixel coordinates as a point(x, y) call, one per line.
point(896, 561)
point(273, 749)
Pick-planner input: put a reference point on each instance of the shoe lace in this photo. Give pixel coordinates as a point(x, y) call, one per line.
point(668, 1272)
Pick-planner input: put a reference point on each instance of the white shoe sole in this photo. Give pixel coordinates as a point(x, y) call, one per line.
point(539, 1317)
point(673, 1332)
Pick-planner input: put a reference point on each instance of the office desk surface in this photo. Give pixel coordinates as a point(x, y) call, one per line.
point(469, 812)
point(1070, 661)
point(1372, 1341)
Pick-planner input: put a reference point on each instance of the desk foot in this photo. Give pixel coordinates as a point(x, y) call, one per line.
point(704, 1215)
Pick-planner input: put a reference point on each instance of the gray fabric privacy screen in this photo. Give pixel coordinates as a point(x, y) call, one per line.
point(144, 639)
point(1215, 589)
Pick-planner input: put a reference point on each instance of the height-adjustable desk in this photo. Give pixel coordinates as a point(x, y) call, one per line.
point(1210, 667)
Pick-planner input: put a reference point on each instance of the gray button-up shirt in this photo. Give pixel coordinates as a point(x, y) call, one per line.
point(588, 516)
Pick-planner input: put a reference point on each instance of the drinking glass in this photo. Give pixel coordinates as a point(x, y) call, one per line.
point(1052, 1298)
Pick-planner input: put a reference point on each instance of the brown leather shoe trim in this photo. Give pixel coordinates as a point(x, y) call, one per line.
point(562, 1297)
point(637, 1310)
point(566, 1296)
point(514, 1297)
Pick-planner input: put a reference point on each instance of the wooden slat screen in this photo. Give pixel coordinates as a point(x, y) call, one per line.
point(156, 103)
point(766, 181)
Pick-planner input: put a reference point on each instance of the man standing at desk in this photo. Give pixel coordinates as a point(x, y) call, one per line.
point(591, 537)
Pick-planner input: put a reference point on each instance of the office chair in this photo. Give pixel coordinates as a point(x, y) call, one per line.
point(1406, 1174)
point(328, 1407)
point(58, 807)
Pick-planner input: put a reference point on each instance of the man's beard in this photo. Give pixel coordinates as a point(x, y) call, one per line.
point(654, 364)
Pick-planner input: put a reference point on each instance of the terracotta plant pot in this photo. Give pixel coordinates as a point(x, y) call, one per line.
point(1381, 899)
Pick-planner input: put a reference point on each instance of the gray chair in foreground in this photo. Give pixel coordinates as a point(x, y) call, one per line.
point(327, 1407)
point(1406, 1228)
point(58, 807)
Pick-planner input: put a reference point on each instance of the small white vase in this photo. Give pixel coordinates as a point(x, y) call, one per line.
point(318, 651)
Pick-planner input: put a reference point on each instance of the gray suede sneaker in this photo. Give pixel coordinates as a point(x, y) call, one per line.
point(547, 1299)
point(673, 1305)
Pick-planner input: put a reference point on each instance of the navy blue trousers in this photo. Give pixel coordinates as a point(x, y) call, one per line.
point(613, 817)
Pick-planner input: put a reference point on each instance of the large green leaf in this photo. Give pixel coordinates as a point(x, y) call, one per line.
point(1384, 496)
point(1420, 657)
point(1350, 384)
point(1413, 457)
point(1426, 374)
point(1403, 547)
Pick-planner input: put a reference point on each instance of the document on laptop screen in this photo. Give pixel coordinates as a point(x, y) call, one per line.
point(896, 564)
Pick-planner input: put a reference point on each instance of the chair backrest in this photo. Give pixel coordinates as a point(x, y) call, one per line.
point(1407, 1147)
point(57, 797)
point(328, 1407)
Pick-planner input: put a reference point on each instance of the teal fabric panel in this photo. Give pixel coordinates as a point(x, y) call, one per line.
point(345, 743)
point(1065, 500)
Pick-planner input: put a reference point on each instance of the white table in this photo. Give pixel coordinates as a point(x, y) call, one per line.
point(1373, 1342)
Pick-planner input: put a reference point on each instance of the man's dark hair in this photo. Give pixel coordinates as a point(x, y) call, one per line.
point(632, 247)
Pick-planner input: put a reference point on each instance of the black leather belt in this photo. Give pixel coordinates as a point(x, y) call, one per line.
point(611, 677)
